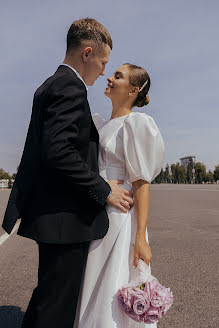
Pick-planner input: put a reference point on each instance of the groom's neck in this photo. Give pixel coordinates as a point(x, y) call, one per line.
point(75, 63)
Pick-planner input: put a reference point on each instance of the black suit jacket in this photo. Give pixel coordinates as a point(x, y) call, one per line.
point(58, 193)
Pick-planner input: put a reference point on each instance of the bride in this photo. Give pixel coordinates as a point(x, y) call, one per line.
point(131, 149)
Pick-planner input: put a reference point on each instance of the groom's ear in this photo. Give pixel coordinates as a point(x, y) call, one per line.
point(86, 53)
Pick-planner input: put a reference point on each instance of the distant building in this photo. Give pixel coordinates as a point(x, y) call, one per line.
point(185, 161)
point(4, 183)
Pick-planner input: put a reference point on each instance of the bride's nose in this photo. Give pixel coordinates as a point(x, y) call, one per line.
point(109, 79)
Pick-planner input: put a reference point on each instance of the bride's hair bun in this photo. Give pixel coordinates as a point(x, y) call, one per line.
point(147, 100)
point(139, 77)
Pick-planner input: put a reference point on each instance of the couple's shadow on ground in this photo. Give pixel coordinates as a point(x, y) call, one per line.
point(10, 316)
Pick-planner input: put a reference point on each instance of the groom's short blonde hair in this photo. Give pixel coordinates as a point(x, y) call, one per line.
point(87, 29)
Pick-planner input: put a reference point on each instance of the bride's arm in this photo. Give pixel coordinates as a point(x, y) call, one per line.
point(141, 201)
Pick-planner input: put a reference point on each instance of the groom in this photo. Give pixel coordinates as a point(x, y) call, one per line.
point(58, 193)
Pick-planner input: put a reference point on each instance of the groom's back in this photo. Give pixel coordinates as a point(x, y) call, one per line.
point(51, 210)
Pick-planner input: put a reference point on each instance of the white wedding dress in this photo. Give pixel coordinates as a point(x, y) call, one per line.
point(131, 148)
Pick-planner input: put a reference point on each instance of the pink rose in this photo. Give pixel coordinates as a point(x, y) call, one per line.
point(152, 315)
point(133, 302)
point(141, 302)
point(125, 298)
point(160, 296)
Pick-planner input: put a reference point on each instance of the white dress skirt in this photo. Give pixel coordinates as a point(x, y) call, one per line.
point(131, 148)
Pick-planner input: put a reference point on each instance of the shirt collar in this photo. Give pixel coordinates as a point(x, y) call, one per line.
point(76, 72)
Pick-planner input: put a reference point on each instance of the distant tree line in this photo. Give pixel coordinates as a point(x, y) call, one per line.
point(195, 173)
point(174, 173)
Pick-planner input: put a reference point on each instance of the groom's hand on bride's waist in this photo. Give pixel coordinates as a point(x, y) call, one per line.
point(120, 197)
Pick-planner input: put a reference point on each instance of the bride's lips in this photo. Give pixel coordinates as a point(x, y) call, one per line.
point(109, 86)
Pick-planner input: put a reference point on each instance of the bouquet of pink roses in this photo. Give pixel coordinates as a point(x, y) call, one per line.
point(144, 299)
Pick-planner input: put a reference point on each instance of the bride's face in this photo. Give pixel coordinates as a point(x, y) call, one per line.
point(118, 88)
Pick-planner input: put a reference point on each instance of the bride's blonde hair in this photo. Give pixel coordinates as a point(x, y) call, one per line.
point(138, 76)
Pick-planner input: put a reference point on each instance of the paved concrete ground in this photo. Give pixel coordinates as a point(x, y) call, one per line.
point(183, 234)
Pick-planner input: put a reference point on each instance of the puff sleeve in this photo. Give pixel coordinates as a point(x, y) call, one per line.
point(98, 121)
point(143, 147)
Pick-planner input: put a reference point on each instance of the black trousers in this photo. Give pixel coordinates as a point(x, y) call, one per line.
point(54, 300)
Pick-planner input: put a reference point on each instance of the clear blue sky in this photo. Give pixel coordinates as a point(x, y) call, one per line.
point(176, 41)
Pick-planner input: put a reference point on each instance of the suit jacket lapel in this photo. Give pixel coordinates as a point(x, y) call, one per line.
point(93, 133)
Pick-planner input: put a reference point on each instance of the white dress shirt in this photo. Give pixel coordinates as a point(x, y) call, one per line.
point(76, 72)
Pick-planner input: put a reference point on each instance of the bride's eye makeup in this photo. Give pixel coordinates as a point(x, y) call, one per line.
point(118, 75)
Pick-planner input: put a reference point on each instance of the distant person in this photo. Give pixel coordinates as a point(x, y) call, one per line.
point(58, 192)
